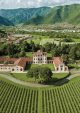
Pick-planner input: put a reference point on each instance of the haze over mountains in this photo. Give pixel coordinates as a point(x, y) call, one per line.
point(43, 15)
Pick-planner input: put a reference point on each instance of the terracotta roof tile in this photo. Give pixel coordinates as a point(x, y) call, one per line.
point(22, 61)
point(6, 59)
point(57, 61)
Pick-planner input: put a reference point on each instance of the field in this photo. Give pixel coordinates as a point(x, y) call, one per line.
point(63, 99)
point(39, 39)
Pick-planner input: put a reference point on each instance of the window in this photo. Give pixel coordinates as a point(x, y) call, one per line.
point(65, 68)
point(21, 69)
point(12, 69)
point(57, 69)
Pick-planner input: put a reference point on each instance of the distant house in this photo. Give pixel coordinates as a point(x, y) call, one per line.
point(39, 57)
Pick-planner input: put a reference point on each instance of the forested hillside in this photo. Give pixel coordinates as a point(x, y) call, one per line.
point(4, 21)
point(22, 15)
point(60, 14)
point(43, 15)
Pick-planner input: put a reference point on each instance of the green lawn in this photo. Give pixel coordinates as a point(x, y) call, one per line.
point(29, 66)
point(58, 76)
point(76, 39)
point(23, 77)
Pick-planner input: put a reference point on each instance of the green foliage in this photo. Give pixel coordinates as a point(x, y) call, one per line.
point(67, 40)
point(69, 53)
point(42, 73)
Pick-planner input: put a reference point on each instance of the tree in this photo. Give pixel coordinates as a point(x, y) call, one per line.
point(22, 54)
point(72, 53)
point(48, 47)
point(44, 74)
point(67, 40)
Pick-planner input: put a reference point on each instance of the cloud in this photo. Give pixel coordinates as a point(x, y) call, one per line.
point(33, 3)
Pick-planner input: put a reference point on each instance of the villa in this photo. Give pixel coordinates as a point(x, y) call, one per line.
point(39, 57)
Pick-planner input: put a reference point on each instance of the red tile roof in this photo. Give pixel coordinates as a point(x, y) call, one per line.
point(15, 61)
point(57, 61)
point(22, 61)
point(6, 59)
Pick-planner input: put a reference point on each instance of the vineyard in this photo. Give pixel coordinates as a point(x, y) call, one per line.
point(14, 99)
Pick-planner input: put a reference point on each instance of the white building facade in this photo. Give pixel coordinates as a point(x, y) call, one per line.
point(40, 57)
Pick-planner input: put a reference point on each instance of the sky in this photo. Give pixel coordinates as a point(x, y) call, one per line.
point(12, 4)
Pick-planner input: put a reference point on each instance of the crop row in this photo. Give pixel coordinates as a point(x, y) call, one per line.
point(62, 100)
point(18, 100)
point(14, 99)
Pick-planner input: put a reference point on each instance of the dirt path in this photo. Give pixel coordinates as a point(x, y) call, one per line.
point(73, 76)
point(37, 85)
point(21, 82)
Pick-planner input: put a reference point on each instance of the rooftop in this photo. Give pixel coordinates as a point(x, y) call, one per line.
point(57, 61)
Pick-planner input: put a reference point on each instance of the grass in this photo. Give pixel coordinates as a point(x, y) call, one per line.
point(44, 41)
point(23, 77)
point(73, 66)
point(75, 79)
point(37, 39)
point(76, 39)
point(60, 75)
point(29, 66)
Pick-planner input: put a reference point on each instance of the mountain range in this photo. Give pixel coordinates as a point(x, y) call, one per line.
point(5, 22)
point(43, 15)
point(60, 14)
point(21, 15)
